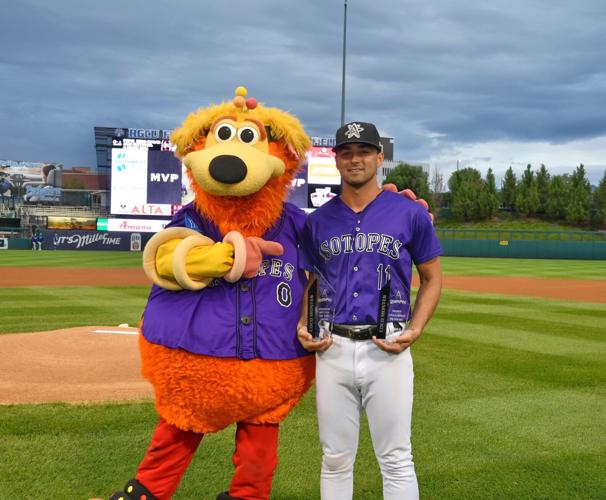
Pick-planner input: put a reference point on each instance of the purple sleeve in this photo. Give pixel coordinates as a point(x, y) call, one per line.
point(424, 245)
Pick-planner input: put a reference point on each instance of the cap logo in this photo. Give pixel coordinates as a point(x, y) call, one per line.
point(353, 130)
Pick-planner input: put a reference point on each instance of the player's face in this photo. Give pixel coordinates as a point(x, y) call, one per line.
point(358, 164)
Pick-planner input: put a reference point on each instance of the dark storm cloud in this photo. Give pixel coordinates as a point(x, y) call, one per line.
point(434, 75)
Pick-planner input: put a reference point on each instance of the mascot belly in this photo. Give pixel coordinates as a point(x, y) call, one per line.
point(206, 394)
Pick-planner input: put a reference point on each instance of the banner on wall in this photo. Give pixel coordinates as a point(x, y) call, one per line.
point(86, 223)
point(93, 240)
point(132, 225)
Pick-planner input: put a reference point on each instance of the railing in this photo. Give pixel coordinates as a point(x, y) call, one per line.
point(60, 211)
point(523, 243)
point(519, 234)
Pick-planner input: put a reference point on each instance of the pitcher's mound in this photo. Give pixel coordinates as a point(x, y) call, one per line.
point(89, 363)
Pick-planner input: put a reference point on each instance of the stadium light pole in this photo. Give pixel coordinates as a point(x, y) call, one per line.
point(344, 52)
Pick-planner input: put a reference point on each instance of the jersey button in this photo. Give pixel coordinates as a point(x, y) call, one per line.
point(357, 228)
point(354, 317)
point(244, 287)
point(245, 320)
point(355, 294)
point(355, 268)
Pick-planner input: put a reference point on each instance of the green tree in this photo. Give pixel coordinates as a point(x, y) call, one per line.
point(599, 202)
point(469, 195)
point(558, 194)
point(527, 199)
point(577, 211)
point(509, 190)
point(406, 176)
point(492, 202)
point(543, 188)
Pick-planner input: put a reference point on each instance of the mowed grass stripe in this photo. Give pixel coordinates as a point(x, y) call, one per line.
point(526, 268)
point(520, 338)
point(591, 309)
point(493, 369)
point(534, 314)
point(69, 258)
point(31, 309)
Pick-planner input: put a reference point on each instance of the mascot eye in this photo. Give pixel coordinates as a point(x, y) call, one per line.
point(225, 132)
point(248, 135)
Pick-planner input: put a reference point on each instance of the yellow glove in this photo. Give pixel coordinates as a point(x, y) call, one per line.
point(210, 261)
point(178, 258)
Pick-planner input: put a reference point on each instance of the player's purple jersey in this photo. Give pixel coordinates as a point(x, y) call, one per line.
point(252, 318)
point(357, 252)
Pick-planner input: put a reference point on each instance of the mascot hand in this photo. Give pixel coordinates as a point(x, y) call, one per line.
point(256, 248)
point(409, 193)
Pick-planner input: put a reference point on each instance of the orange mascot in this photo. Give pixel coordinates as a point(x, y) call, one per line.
point(218, 334)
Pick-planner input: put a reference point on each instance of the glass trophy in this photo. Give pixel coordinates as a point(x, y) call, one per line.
point(320, 306)
point(394, 303)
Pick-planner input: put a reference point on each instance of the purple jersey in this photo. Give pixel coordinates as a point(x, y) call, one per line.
point(357, 253)
point(252, 318)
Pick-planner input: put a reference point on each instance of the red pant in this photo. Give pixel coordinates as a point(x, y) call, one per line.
point(172, 449)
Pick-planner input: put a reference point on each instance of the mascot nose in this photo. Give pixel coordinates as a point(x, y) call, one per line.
point(228, 169)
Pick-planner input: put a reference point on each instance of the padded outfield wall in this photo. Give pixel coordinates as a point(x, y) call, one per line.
point(455, 243)
point(523, 244)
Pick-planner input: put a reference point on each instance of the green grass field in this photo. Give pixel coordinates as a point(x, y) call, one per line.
point(69, 258)
point(510, 403)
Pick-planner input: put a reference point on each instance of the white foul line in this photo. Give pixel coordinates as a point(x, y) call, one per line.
point(119, 332)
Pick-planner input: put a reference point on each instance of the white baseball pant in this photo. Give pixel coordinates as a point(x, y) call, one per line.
point(355, 375)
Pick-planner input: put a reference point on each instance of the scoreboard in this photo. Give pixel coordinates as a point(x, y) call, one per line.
point(147, 179)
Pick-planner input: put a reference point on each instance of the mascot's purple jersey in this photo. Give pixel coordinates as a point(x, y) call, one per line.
point(356, 253)
point(252, 318)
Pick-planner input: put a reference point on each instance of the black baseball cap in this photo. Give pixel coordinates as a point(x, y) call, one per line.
point(358, 133)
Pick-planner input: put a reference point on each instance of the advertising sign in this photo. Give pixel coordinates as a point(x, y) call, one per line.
point(91, 240)
point(146, 180)
point(34, 181)
point(55, 222)
point(129, 225)
point(318, 195)
point(321, 167)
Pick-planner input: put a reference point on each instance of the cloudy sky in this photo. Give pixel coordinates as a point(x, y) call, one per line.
point(501, 83)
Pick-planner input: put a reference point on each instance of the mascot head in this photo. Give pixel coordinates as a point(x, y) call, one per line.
point(241, 158)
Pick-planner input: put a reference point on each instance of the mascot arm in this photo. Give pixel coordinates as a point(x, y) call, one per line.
point(178, 258)
point(207, 261)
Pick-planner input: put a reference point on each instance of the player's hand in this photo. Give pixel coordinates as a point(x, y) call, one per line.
point(410, 194)
point(400, 343)
point(256, 248)
point(309, 343)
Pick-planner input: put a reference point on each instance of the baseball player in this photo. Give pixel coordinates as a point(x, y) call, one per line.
point(363, 244)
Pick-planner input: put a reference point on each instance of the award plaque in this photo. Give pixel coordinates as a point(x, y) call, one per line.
point(394, 303)
point(320, 306)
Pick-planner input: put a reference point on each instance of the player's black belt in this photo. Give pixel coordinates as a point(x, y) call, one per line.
point(355, 332)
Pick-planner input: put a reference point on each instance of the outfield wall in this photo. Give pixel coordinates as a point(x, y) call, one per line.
point(523, 244)
point(83, 240)
point(455, 243)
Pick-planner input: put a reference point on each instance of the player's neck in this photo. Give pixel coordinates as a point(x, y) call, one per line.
point(357, 198)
